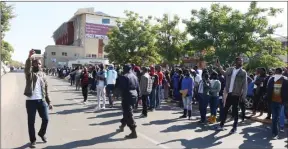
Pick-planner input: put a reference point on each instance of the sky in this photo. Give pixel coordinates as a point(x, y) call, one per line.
point(36, 21)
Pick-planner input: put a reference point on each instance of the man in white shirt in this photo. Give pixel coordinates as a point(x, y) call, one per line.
point(236, 87)
point(111, 81)
point(36, 91)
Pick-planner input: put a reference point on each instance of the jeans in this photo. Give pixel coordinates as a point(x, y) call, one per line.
point(221, 107)
point(213, 103)
point(144, 104)
point(158, 90)
point(85, 92)
point(203, 103)
point(282, 117)
point(152, 98)
point(101, 95)
point(187, 103)
point(32, 106)
point(276, 110)
point(233, 101)
point(109, 90)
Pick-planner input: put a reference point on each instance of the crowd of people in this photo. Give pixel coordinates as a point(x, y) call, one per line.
point(216, 87)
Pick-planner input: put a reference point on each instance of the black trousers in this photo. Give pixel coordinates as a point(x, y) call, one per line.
point(268, 102)
point(32, 106)
point(85, 92)
point(233, 101)
point(128, 115)
point(144, 104)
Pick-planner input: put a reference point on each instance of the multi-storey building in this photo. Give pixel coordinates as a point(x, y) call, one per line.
point(82, 37)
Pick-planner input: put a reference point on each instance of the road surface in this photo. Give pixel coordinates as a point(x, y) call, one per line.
point(74, 125)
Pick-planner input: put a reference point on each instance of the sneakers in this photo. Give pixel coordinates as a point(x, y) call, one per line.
point(275, 137)
point(282, 130)
point(32, 144)
point(233, 131)
point(143, 116)
point(44, 139)
point(219, 128)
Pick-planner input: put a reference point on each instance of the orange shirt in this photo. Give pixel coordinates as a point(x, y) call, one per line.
point(276, 95)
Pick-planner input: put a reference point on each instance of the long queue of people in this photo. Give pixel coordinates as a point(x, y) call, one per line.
point(216, 87)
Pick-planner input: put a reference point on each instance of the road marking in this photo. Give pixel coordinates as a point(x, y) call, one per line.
point(152, 140)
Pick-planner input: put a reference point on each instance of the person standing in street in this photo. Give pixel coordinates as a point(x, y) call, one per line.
point(101, 83)
point(111, 81)
point(128, 83)
point(236, 87)
point(146, 84)
point(84, 83)
point(36, 91)
point(277, 92)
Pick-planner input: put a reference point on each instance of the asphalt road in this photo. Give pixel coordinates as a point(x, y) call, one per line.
point(74, 125)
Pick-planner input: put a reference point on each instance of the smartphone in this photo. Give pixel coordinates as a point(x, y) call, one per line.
point(37, 51)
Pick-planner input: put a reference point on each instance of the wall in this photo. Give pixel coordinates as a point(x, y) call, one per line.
point(58, 49)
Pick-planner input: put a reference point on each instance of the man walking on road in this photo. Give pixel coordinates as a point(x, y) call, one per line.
point(146, 84)
point(36, 91)
point(236, 87)
point(128, 83)
point(111, 80)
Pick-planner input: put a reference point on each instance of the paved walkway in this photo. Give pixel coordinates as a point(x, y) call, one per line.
point(74, 125)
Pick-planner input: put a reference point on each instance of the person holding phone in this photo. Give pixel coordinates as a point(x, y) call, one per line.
point(36, 91)
point(236, 87)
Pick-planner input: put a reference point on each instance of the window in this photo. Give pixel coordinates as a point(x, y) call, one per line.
point(53, 53)
point(64, 54)
point(94, 56)
point(105, 21)
point(105, 56)
point(88, 55)
point(76, 55)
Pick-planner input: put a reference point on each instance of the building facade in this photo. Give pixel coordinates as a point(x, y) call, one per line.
point(84, 36)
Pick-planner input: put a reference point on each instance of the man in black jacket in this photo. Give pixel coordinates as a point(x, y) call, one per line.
point(129, 85)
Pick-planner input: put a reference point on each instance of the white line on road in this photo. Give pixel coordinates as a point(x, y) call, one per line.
point(152, 140)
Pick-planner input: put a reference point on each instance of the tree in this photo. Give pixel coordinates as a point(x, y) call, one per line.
point(16, 63)
point(133, 41)
point(7, 49)
point(226, 33)
point(6, 16)
point(170, 40)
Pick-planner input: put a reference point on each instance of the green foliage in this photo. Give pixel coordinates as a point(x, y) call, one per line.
point(133, 41)
point(7, 49)
point(16, 63)
point(170, 40)
point(231, 33)
point(267, 61)
point(6, 16)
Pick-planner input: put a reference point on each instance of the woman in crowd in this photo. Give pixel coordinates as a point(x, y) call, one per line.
point(214, 96)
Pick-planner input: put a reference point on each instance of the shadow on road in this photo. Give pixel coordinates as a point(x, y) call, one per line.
point(65, 112)
point(210, 141)
point(110, 122)
point(257, 137)
point(23, 146)
point(82, 143)
point(63, 105)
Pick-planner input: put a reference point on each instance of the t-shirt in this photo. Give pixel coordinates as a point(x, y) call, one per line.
point(160, 76)
point(276, 95)
point(37, 92)
point(232, 81)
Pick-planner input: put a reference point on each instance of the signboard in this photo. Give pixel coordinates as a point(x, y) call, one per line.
point(97, 30)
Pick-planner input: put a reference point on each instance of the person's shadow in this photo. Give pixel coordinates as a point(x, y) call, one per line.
point(256, 137)
point(200, 142)
point(85, 143)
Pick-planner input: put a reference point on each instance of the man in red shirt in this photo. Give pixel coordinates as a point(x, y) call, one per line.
point(160, 91)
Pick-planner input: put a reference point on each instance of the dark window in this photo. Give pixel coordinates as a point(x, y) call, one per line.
point(53, 53)
point(64, 54)
point(88, 55)
point(94, 56)
point(105, 21)
point(105, 56)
